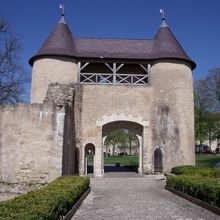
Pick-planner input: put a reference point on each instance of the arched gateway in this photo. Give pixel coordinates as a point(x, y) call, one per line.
point(135, 127)
point(107, 84)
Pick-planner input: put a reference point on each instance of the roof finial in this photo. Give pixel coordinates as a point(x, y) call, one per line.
point(62, 13)
point(162, 12)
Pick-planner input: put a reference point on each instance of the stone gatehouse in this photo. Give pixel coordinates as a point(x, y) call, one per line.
point(85, 88)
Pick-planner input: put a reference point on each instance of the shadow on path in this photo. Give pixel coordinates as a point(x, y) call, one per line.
point(113, 168)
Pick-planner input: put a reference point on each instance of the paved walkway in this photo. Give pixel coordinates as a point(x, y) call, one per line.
point(136, 198)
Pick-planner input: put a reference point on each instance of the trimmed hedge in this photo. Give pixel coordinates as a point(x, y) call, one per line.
point(183, 170)
point(201, 183)
point(49, 203)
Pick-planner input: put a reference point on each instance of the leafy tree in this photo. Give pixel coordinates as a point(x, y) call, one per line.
point(131, 137)
point(115, 137)
point(12, 74)
point(123, 137)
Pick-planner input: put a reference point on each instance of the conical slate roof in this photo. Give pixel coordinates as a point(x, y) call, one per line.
point(166, 45)
point(59, 42)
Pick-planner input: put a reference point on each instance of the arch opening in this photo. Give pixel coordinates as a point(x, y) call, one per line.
point(116, 125)
point(122, 147)
point(158, 160)
point(89, 158)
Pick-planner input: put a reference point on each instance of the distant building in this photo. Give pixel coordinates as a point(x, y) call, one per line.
point(122, 149)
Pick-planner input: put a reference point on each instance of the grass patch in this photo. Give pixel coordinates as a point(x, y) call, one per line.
point(49, 203)
point(197, 171)
point(207, 160)
point(123, 160)
point(201, 161)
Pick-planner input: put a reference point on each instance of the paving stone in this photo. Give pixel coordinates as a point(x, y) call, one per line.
point(136, 199)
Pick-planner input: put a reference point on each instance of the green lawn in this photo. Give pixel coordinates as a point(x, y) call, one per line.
point(201, 160)
point(123, 160)
point(207, 160)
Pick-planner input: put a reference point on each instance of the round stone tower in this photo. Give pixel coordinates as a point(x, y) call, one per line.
point(54, 62)
point(173, 110)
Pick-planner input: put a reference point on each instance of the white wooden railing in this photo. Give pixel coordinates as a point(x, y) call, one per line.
point(104, 78)
point(114, 78)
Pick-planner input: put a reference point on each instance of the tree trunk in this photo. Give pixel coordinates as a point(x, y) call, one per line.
point(113, 150)
point(210, 139)
point(129, 146)
point(106, 151)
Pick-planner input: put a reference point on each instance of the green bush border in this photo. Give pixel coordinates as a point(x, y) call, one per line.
point(201, 183)
point(49, 203)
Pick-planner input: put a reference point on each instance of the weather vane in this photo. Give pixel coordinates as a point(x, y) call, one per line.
point(62, 9)
point(162, 12)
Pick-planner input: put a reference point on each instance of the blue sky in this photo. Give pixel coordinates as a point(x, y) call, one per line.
point(195, 23)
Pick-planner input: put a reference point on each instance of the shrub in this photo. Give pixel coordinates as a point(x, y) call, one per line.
point(206, 189)
point(49, 203)
point(183, 169)
point(117, 164)
point(202, 183)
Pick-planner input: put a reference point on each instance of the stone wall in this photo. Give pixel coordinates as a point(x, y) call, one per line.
point(60, 94)
point(68, 98)
point(68, 165)
point(102, 104)
point(77, 121)
point(31, 140)
point(164, 109)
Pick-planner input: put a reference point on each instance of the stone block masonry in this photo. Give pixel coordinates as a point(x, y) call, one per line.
point(60, 94)
point(31, 143)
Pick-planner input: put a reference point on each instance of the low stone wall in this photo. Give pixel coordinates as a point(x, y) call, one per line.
point(7, 196)
point(12, 190)
point(31, 141)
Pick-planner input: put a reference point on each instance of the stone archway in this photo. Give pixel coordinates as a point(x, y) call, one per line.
point(135, 127)
point(89, 153)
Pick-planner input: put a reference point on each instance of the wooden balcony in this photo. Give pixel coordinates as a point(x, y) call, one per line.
point(113, 73)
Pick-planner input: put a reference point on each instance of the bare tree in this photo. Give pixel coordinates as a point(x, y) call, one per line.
point(206, 106)
point(201, 105)
point(12, 74)
point(211, 86)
